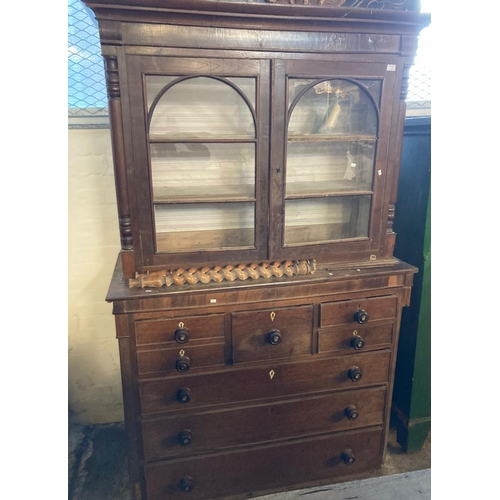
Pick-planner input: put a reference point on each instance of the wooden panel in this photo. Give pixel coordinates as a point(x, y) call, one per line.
point(211, 431)
point(160, 331)
point(339, 313)
point(250, 330)
point(237, 39)
point(375, 336)
point(263, 382)
point(164, 360)
point(264, 468)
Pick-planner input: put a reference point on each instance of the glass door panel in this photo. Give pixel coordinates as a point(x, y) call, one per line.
point(332, 107)
point(200, 107)
point(330, 159)
point(329, 219)
point(208, 226)
point(203, 171)
point(202, 153)
point(329, 167)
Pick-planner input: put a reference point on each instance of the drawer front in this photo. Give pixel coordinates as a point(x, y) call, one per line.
point(264, 468)
point(356, 338)
point(271, 381)
point(272, 334)
point(188, 435)
point(340, 313)
point(180, 359)
point(163, 330)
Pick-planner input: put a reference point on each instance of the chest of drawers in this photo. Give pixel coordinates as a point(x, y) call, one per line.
point(256, 149)
point(234, 390)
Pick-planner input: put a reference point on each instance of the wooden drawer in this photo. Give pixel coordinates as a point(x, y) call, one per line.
point(340, 313)
point(343, 340)
point(188, 435)
point(263, 382)
point(174, 359)
point(163, 330)
point(251, 341)
point(264, 468)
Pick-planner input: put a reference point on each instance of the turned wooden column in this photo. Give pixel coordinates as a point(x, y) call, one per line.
point(118, 148)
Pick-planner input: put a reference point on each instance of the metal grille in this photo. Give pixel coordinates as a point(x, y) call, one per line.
point(87, 87)
point(86, 83)
point(419, 85)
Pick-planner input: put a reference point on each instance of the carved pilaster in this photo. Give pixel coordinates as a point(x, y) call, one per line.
point(112, 77)
point(125, 233)
point(390, 218)
point(405, 81)
point(118, 147)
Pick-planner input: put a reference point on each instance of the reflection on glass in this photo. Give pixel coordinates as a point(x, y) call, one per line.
point(155, 84)
point(200, 108)
point(190, 171)
point(247, 86)
point(329, 167)
point(319, 220)
point(331, 108)
point(208, 226)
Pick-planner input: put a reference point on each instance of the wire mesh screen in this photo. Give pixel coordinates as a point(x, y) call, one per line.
point(419, 84)
point(86, 84)
point(87, 88)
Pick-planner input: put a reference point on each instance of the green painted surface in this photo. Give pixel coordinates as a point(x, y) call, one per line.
point(413, 437)
point(412, 385)
point(421, 400)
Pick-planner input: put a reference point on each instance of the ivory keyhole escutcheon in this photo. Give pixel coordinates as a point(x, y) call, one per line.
point(181, 325)
point(182, 352)
point(273, 315)
point(354, 333)
point(271, 374)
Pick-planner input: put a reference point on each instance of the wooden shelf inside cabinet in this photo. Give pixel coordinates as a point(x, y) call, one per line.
point(296, 190)
point(223, 239)
point(217, 194)
point(331, 138)
point(209, 138)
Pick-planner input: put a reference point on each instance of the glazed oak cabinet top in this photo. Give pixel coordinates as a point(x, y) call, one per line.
point(255, 132)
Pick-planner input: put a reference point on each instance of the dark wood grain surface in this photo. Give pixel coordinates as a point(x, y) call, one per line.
point(212, 431)
point(266, 467)
point(253, 384)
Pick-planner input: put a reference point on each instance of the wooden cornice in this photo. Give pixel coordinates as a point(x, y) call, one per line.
point(267, 15)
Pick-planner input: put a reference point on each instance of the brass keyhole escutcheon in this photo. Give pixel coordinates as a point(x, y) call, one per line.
point(182, 352)
point(181, 325)
point(354, 333)
point(273, 315)
point(271, 374)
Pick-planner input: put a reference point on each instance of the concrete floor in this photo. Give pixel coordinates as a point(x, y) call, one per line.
point(98, 470)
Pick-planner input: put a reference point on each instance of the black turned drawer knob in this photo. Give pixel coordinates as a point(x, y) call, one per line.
point(354, 373)
point(274, 337)
point(186, 484)
point(181, 335)
point(182, 364)
point(361, 316)
point(351, 412)
point(348, 457)
point(184, 395)
point(357, 342)
point(185, 437)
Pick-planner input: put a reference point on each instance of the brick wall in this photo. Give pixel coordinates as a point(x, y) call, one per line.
point(94, 368)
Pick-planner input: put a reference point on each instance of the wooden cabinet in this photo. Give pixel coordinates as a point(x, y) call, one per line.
point(257, 300)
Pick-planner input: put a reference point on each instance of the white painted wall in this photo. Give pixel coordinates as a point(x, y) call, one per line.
point(93, 361)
